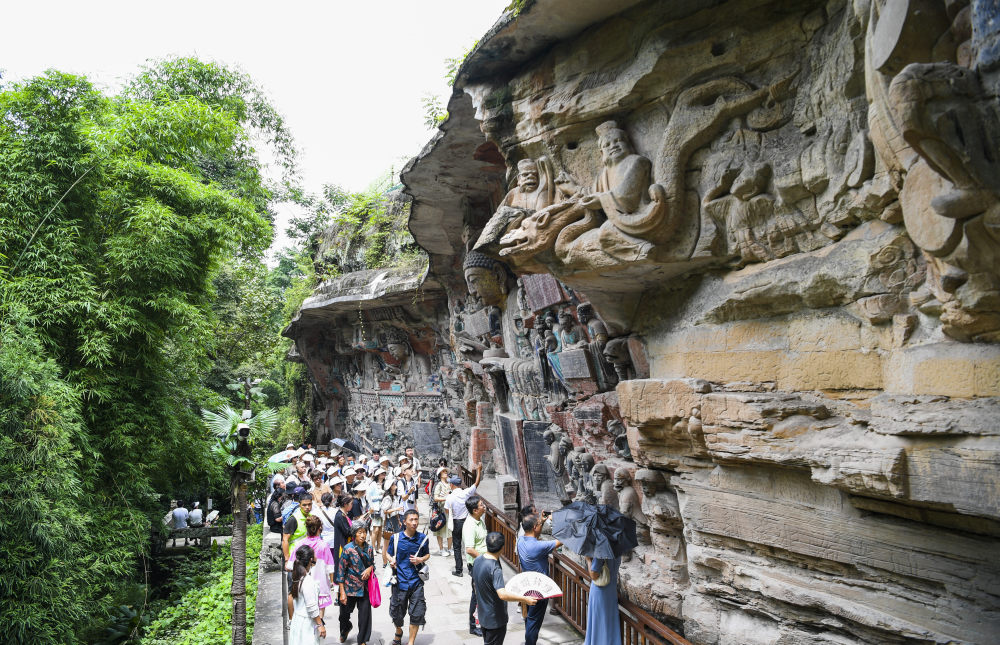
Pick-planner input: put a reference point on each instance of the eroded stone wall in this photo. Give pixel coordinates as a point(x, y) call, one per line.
point(732, 267)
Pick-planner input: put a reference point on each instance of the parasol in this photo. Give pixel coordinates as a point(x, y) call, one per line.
point(533, 585)
point(284, 455)
point(347, 445)
point(594, 531)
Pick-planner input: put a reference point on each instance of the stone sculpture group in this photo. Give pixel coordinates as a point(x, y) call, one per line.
point(743, 284)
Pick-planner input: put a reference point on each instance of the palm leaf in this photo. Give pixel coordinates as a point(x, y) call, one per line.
point(222, 423)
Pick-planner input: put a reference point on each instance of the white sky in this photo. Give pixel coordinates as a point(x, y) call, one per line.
point(347, 76)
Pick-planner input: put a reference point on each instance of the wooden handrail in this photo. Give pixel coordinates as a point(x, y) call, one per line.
point(637, 625)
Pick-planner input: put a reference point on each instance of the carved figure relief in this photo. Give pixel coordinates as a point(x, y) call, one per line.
point(936, 126)
point(579, 472)
point(617, 430)
point(616, 352)
point(602, 488)
point(662, 512)
point(630, 506)
point(560, 448)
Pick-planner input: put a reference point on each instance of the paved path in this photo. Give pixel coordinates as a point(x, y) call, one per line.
point(448, 614)
point(447, 608)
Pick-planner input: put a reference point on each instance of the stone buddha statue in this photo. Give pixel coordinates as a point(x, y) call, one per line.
point(629, 504)
point(571, 335)
point(485, 278)
point(603, 488)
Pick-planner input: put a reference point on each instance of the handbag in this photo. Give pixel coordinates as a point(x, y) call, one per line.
point(374, 591)
point(604, 578)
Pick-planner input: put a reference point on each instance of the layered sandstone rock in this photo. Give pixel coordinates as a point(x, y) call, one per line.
point(733, 266)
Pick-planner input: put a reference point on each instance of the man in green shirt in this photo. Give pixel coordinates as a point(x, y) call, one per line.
point(294, 528)
point(474, 539)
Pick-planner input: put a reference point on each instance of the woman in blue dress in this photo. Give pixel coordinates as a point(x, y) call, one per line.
point(603, 626)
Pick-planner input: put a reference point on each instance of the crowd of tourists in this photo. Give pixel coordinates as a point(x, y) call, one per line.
point(341, 515)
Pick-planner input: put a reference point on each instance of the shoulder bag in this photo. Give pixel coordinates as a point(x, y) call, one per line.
point(424, 572)
point(374, 591)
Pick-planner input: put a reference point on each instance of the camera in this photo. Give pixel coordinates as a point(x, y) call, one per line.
point(243, 430)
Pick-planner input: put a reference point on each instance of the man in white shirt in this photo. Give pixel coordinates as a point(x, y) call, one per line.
point(454, 505)
point(373, 463)
point(195, 516)
point(414, 462)
point(410, 486)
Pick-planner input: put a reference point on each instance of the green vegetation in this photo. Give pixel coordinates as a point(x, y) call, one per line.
point(198, 610)
point(362, 230)
point(133, 295)
point(132, 291)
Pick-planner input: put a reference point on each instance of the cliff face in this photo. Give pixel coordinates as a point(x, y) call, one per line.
point(733, 267)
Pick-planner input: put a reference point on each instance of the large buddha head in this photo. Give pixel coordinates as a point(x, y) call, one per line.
point(485, 278)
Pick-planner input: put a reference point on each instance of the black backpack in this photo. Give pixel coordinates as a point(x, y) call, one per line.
point(438, 519)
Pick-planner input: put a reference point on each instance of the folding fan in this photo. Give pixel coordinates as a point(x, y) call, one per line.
point(533, 585)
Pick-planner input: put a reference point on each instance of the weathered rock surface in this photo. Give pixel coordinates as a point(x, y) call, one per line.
point(733, 266)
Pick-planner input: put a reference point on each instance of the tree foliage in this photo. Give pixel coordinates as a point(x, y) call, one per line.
point(198, 612)
point(121, 220)
point(363, 230)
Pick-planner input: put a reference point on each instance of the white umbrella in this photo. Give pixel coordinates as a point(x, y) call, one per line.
point(284, 455)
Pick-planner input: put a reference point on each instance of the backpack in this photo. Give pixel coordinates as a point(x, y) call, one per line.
point(437, 520)
point(288, 512)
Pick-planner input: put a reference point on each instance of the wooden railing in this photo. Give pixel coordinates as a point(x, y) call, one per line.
point(638, 626)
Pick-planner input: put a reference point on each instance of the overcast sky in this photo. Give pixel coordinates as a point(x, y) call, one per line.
point(348, 76)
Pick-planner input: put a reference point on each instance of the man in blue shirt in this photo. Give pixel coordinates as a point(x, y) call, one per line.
point(408, 551)
point(534, 556)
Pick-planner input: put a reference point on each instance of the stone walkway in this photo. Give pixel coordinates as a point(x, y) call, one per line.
point(448, 614)
point(447, 608)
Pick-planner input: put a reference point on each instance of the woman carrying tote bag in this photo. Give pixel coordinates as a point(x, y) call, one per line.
point(357, 566)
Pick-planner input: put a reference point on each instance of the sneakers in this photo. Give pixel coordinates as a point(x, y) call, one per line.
point(444, 553)
point(457, 574)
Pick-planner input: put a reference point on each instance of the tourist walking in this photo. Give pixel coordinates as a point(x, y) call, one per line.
point(359, 511)
point(439, 495)
point(491, 595)
point(294, 527)
point(275, 501)
point(305, 624)
point(410, 485)
point(357, 563)
point(603, 626)
point(474, 541)
point(374, 495)
point(408, 551)
point(533, 554)
point(326, 512)
point(454, 505)
point(392, 509)
point(325, 566)
point(342, 525)
point(319, 488)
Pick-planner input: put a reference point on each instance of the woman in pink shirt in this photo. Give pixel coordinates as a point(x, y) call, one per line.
point(325, 567)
